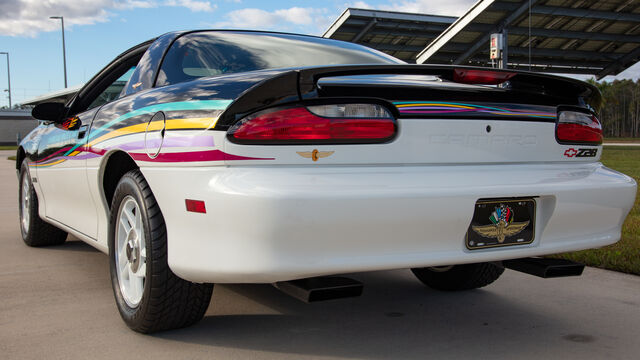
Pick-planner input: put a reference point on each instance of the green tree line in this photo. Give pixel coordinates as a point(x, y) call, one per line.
point(620, 113)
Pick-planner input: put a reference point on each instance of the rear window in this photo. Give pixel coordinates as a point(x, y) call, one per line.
point(214, 53)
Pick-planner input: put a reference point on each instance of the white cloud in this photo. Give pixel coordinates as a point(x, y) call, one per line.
point(281, 19)
point(30, 17)
point(193, 5)
point(132, 4)
point(359, 5)
point(431, 7)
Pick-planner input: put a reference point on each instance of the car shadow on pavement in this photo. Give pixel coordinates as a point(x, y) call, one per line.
point(73, 244)
point(396, 317)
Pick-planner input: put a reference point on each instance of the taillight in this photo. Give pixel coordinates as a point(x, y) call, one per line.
point(481, 77)
point(318, 124)
point(578, 128)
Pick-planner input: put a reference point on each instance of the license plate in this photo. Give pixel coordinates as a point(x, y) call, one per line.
point(499, 223)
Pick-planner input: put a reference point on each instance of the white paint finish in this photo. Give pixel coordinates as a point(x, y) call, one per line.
point(434, 141)
point(68, 200)
point(266, 224)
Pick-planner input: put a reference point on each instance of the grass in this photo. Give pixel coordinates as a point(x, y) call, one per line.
point(11, 158)
point(9, 147)
point(624, 255)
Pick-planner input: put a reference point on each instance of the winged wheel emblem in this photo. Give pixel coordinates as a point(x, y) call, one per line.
point(501, 226)
point(315, 154)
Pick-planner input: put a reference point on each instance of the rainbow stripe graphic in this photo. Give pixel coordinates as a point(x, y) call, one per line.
point(202, 144)
point(455, 108)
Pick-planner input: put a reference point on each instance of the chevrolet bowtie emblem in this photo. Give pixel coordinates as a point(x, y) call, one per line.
point(315, 154)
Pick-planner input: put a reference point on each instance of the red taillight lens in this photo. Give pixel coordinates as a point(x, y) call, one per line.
point(481, 77)
point(342, 123)
point(578, 128)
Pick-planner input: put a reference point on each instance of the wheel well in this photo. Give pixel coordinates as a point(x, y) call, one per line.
point(19, 158)
point(117, 165)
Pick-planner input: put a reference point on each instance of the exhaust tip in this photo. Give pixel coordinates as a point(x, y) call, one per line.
point(545, 267)
point(321, 288)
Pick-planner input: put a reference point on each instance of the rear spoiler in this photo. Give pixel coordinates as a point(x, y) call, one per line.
point(302, 84)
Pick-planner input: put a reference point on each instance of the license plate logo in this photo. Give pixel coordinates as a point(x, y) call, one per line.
point(501, 223)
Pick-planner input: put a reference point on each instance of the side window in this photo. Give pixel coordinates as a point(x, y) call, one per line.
point(113, 91)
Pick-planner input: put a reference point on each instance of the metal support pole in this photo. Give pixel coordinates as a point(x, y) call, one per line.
point(8, 78)
point(64, 51)
point(504, 61)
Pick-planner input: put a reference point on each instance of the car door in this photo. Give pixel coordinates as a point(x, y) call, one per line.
point(61, 169)
point(62, 165)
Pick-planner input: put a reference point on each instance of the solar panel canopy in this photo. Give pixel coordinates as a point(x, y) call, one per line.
point(598, 37)
point(402, 35)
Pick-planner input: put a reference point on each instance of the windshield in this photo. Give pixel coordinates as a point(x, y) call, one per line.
point(211, 53)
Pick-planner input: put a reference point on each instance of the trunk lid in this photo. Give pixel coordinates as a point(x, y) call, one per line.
point(441, 121)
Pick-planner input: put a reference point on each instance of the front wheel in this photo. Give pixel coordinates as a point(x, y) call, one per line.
point(149, 296)
point(459, 277)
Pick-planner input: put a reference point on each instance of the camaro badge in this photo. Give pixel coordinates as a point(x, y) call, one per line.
point(315, 154)
point(503, 225)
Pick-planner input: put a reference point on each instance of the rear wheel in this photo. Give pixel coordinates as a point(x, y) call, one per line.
point(459, 277)
point(149, 296)
point(35, 231)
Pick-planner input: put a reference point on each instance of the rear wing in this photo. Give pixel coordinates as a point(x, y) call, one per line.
point(302, 84)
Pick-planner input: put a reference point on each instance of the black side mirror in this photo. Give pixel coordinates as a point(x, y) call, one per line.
point(56, 112)
point(49, 111)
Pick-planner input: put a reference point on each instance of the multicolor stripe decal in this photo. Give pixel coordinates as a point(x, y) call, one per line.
point(106, 132)
point(174, 106)
point(443, 108)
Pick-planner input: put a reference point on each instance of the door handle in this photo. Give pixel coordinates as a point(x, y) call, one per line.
point(82, 131)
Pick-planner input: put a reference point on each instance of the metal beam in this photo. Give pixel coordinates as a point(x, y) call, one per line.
point(378, 30)
point(620, 64)
point(454, 48)
point(453, 30)
point(336, 24)
point(485, 38)
point(364, 30)
point(391, 47)
point(386, 27)
point(585, 13)
point(574, 34)
point(400, 16)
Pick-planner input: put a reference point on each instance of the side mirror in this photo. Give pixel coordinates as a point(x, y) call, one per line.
point(56, 112)
point(49, 111)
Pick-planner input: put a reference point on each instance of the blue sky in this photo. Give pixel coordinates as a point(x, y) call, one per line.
point(98, 30)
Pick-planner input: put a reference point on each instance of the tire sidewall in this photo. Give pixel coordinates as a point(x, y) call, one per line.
point(129, 186)
point(33, 211)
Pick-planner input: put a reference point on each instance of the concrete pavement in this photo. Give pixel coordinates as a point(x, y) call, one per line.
point(57, 303)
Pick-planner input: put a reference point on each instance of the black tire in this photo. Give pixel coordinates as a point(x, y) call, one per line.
point(459, 277)
point(35, 231)
point(167, 302)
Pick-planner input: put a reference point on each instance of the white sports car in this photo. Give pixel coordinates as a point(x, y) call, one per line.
point(251, 157)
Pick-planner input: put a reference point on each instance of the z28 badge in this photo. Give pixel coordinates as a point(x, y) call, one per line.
point(571, 152)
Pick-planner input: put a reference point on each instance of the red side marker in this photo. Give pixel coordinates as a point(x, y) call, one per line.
point(195, 206)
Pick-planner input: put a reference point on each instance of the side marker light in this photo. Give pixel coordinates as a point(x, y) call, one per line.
point(195, 206)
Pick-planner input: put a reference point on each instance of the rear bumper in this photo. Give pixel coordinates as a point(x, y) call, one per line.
point(267, 224)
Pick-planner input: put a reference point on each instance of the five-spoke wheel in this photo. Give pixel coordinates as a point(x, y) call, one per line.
point(131, 253)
